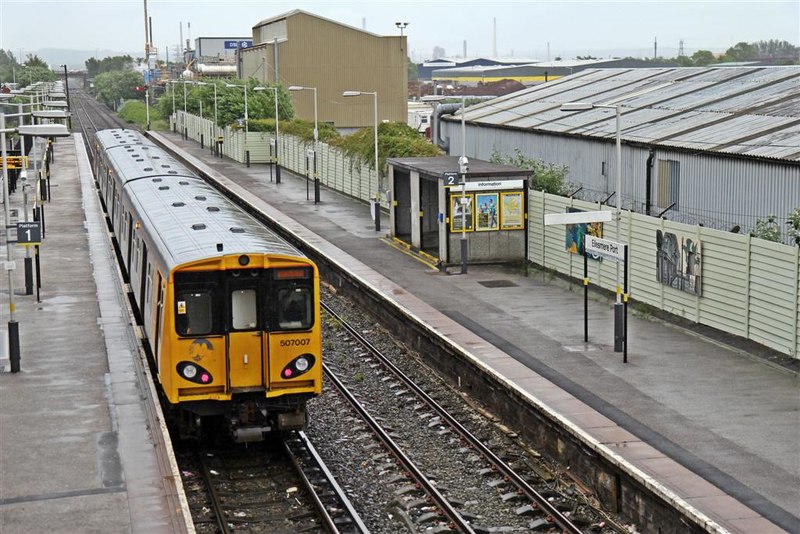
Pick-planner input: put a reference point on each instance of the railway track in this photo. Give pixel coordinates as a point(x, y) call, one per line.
point(466, 479)
point(93, 115)
point(282, 486)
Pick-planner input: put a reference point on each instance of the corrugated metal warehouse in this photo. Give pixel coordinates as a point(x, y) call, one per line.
point(317, 52)
point(713, 146)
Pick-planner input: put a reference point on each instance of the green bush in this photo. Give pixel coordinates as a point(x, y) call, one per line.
point(305, 130)
point(395, 140)
point(769, 229)
point(794, 226)
point(547, 177)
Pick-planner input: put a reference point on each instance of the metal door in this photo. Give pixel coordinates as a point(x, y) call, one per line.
point(246, 360)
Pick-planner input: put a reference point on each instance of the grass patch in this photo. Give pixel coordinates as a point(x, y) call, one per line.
point(134, 112)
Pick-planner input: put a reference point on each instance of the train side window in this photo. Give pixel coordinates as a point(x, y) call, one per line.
point(244, 314)
point(193, 313)
point(294, 308)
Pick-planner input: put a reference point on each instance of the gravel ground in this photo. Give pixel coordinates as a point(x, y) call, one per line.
point(383, 495)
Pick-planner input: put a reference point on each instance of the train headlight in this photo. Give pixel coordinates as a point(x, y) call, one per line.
point(301, 364)
point(189, 372)
point(194, 373)
point(298, 366)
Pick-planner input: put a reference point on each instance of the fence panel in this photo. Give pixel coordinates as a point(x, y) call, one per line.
point(748, 287)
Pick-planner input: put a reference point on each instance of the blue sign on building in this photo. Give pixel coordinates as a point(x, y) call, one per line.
point(151, 75)
point(233, 45)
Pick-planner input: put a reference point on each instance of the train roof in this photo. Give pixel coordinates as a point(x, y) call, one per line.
point(186, 218)
point(134, 156)
point(189, 219)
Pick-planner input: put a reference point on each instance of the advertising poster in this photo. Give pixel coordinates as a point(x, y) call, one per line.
point(488, 217)
point(512, 216)
point(576, 236)
point(457, 208)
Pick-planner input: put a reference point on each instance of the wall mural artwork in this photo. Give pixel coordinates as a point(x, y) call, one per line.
point(576, 236)
point(679, 262)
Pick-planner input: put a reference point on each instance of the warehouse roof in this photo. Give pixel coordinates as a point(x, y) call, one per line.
point(753, 111)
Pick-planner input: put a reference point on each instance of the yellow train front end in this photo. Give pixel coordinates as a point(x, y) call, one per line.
point(241, 339)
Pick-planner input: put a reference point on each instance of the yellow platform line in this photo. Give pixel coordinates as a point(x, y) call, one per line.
point(422, 257)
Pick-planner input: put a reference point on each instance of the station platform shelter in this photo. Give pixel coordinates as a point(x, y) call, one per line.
point(436, 209)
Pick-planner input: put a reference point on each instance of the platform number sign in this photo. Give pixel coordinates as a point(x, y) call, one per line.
point(29, 233)
point(450, 179)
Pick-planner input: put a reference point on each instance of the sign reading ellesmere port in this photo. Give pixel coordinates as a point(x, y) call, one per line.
point(603, 247)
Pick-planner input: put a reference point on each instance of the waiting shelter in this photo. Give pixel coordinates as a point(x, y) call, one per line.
point(434, 208)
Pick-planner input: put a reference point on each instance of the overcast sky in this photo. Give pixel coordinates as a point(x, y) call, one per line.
point(524, 29)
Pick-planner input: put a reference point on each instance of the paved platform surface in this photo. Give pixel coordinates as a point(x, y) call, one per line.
point(723, 409)
point(77, 450)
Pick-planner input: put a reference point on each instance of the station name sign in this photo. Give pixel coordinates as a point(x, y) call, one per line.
point(603, 247)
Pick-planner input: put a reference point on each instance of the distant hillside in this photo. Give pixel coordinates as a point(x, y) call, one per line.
point(76, 59)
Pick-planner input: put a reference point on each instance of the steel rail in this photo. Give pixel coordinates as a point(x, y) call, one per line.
point(544, 505)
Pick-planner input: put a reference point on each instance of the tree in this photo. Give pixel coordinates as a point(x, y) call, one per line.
point(547, 177)
point(413, 70)
point(28, 75)
point(8, 66)
point(108, 64)
point(35, 61)
point(774, 49)
point(742, 52)
point(112, 87)
point(701, 58)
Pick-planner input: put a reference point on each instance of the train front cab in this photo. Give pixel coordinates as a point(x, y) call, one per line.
point(245, 341)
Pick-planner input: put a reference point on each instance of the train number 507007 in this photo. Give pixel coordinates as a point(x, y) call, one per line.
point(294, 342)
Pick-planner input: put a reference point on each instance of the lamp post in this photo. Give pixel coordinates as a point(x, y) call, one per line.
point(316, 137)
point(402, 26)
point(174, 121)
point(215, 98)
point(277, 132)
point(463, 168)
point(377, 201)
point(619, 316)
point(66, 85)
point(38, 130)
point(246, 121)
point(185, 111)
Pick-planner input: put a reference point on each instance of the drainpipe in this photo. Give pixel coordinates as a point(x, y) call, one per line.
point(442, 109)
point(648, 181)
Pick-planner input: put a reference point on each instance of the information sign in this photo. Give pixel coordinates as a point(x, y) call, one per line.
point(29, 233)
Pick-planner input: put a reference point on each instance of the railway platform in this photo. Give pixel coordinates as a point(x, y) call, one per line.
point(710, 422)
point(81, 444)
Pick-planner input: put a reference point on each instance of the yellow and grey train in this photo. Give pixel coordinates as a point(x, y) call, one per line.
point(229, 309)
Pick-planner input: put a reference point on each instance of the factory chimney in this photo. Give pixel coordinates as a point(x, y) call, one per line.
point(465, 49)
point(494, 38)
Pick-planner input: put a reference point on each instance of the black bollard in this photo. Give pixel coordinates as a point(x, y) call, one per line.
point(28, 276)
point(13, 345)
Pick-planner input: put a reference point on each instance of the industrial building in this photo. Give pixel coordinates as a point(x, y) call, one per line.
point(530, 72)
point(301, 49)
point(719, 147)
point(216, 56)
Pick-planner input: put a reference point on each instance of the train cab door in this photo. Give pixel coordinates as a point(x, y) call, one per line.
point(245, 347)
